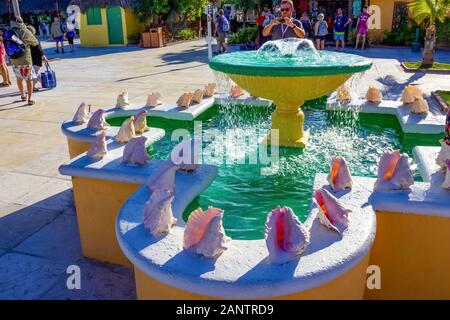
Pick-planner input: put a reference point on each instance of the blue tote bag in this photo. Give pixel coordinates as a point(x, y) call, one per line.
point(48, 77)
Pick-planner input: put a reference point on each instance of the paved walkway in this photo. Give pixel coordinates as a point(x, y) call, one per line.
point(38, 230)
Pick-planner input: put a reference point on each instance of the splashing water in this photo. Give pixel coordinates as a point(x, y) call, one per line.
point(302, 49)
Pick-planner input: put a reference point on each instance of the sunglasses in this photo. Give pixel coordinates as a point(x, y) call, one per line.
point(285, 9)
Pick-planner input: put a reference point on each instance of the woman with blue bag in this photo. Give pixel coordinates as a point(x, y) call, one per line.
point(38, 57)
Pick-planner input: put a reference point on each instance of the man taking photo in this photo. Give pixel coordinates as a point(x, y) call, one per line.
point(285, 26)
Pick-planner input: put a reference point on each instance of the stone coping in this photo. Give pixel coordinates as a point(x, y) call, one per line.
point(425, 157)
point(410, 122)
point(243, 271)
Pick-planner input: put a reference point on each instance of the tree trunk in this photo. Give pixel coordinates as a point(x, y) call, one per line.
point(429, 45)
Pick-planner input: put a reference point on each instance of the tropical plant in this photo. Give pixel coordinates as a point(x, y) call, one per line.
point(428, 13)
point(149, 12)
point(245, 35)
point(187, 34)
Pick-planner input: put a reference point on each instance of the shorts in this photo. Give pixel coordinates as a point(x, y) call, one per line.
point(321, 38)
point(220, 37)
point(23, 72)
point(59, 39)
point(339, 36)
point(362, 31)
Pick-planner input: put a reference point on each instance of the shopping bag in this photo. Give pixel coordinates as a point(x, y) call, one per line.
point(48, 77)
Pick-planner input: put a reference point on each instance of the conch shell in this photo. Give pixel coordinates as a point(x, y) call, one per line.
point(446, 183)
point(410, 94)
point(153, 100)
point(236, 91)
point(332, 213)
point(98, 149)
point(394, 172)
point(210, 90)
point(122, 100)
point(158, 216)
point(286, 237)
point(185, 100)
point(197, 97)
point(97, 120)
point(135, 151)
point(444, 154)
point(343, 94)
point(126, 131)
point(82, 114)
point(420, 106)
point(374, 95)
point(339, 177)
point(163, 177)
point(140, 122)
point(204, 233)
point(186, 155)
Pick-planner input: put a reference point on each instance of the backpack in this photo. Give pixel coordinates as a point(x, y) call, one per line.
point(322, 30)
point(14, 47)
point(225, 25)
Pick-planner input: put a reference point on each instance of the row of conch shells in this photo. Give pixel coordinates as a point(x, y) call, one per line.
point(343, 94)
point(420, 106)
point(126, 131)
point(332, 213)
point(140, 122)
point(184, 101)
point(122, 100)
point(158, 216)
point(339, 177)
point(82, 114)
point(394, 172)
point(210, 90)
point(97, 121)
point(135, 152)
point(188, 98)
point(410, 94)
point(374, 95)
point(236, 91)
point(153, 100)
point(98, 149)
point(163, 177)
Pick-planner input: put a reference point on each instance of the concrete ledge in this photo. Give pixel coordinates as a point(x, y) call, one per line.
point(172, 111)
point(425, 157)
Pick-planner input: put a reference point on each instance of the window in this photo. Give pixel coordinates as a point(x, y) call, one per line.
point(94, 16)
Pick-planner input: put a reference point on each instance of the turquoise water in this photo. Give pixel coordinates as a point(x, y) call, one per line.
point(245, 194)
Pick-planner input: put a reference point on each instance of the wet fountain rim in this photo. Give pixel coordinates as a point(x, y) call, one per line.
point(227, 64)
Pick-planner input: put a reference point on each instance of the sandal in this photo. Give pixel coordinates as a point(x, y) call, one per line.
point(31, 102)
point(24, 98)
point(4, 84)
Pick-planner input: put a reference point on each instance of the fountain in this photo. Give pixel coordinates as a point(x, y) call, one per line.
point(289, 72)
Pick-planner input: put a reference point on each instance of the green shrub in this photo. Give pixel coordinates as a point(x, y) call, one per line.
point(403, 36)
point(443, 33)
point(134, 38)
point(246, 35)
point(187, 34)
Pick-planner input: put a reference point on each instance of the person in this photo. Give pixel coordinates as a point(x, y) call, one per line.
point(306, 23)
point(3, 67)
point(320, 31)
point(341, 21)
point(362, 27)
point(284, 26)
point(38, 58)
point(260, 24)
point(57, 34)
point(70, 35)
point(222, 27)
point(23, 66)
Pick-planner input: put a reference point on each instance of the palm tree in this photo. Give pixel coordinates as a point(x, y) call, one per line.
point(429, 12)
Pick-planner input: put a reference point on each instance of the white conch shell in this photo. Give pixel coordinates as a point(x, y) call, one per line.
point(394, 172)
point(82, 114)
point(163, 177)
point(135, 152)
point(444, 155)
point(236, 91)
point(97, 120)
point(185, 100)
point(204, 233)
point(98, 149)
point(374, 95)
point(186, 155)
point(122, 100)
point(158, 216)
point(153, 100)
point(126, 132)
point(420, 106)
point(140, 122)
point(286, 237)
point(410, 93)
point(343, 94)
point(446, 183)
point(339, 177)
point(332, 213)
point(197, 97)
point(210, 90)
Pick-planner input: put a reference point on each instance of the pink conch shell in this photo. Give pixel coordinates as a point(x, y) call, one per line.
point(122, 100)
point(343, 94)
point(197, 97)
point(446, 183)
point(163, 177)
point(97, 120)
point(135, 152)
point(374, 95)
point(420, 106)
point(140, 122)
point(339, 177)
point(186, 155)
point(204, 233)
point(210, 90)
point(410, 94)
point(286, 237)
point(394, 172)
point(153, 100)
point(331, 212)
point(126, 132)
point(82, 114)
point(158, 216)
point(185, 100)
point(236, 91)
point(98, 149)
point(444, 155)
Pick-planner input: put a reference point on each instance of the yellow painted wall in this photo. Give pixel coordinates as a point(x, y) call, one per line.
point(133, 25)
